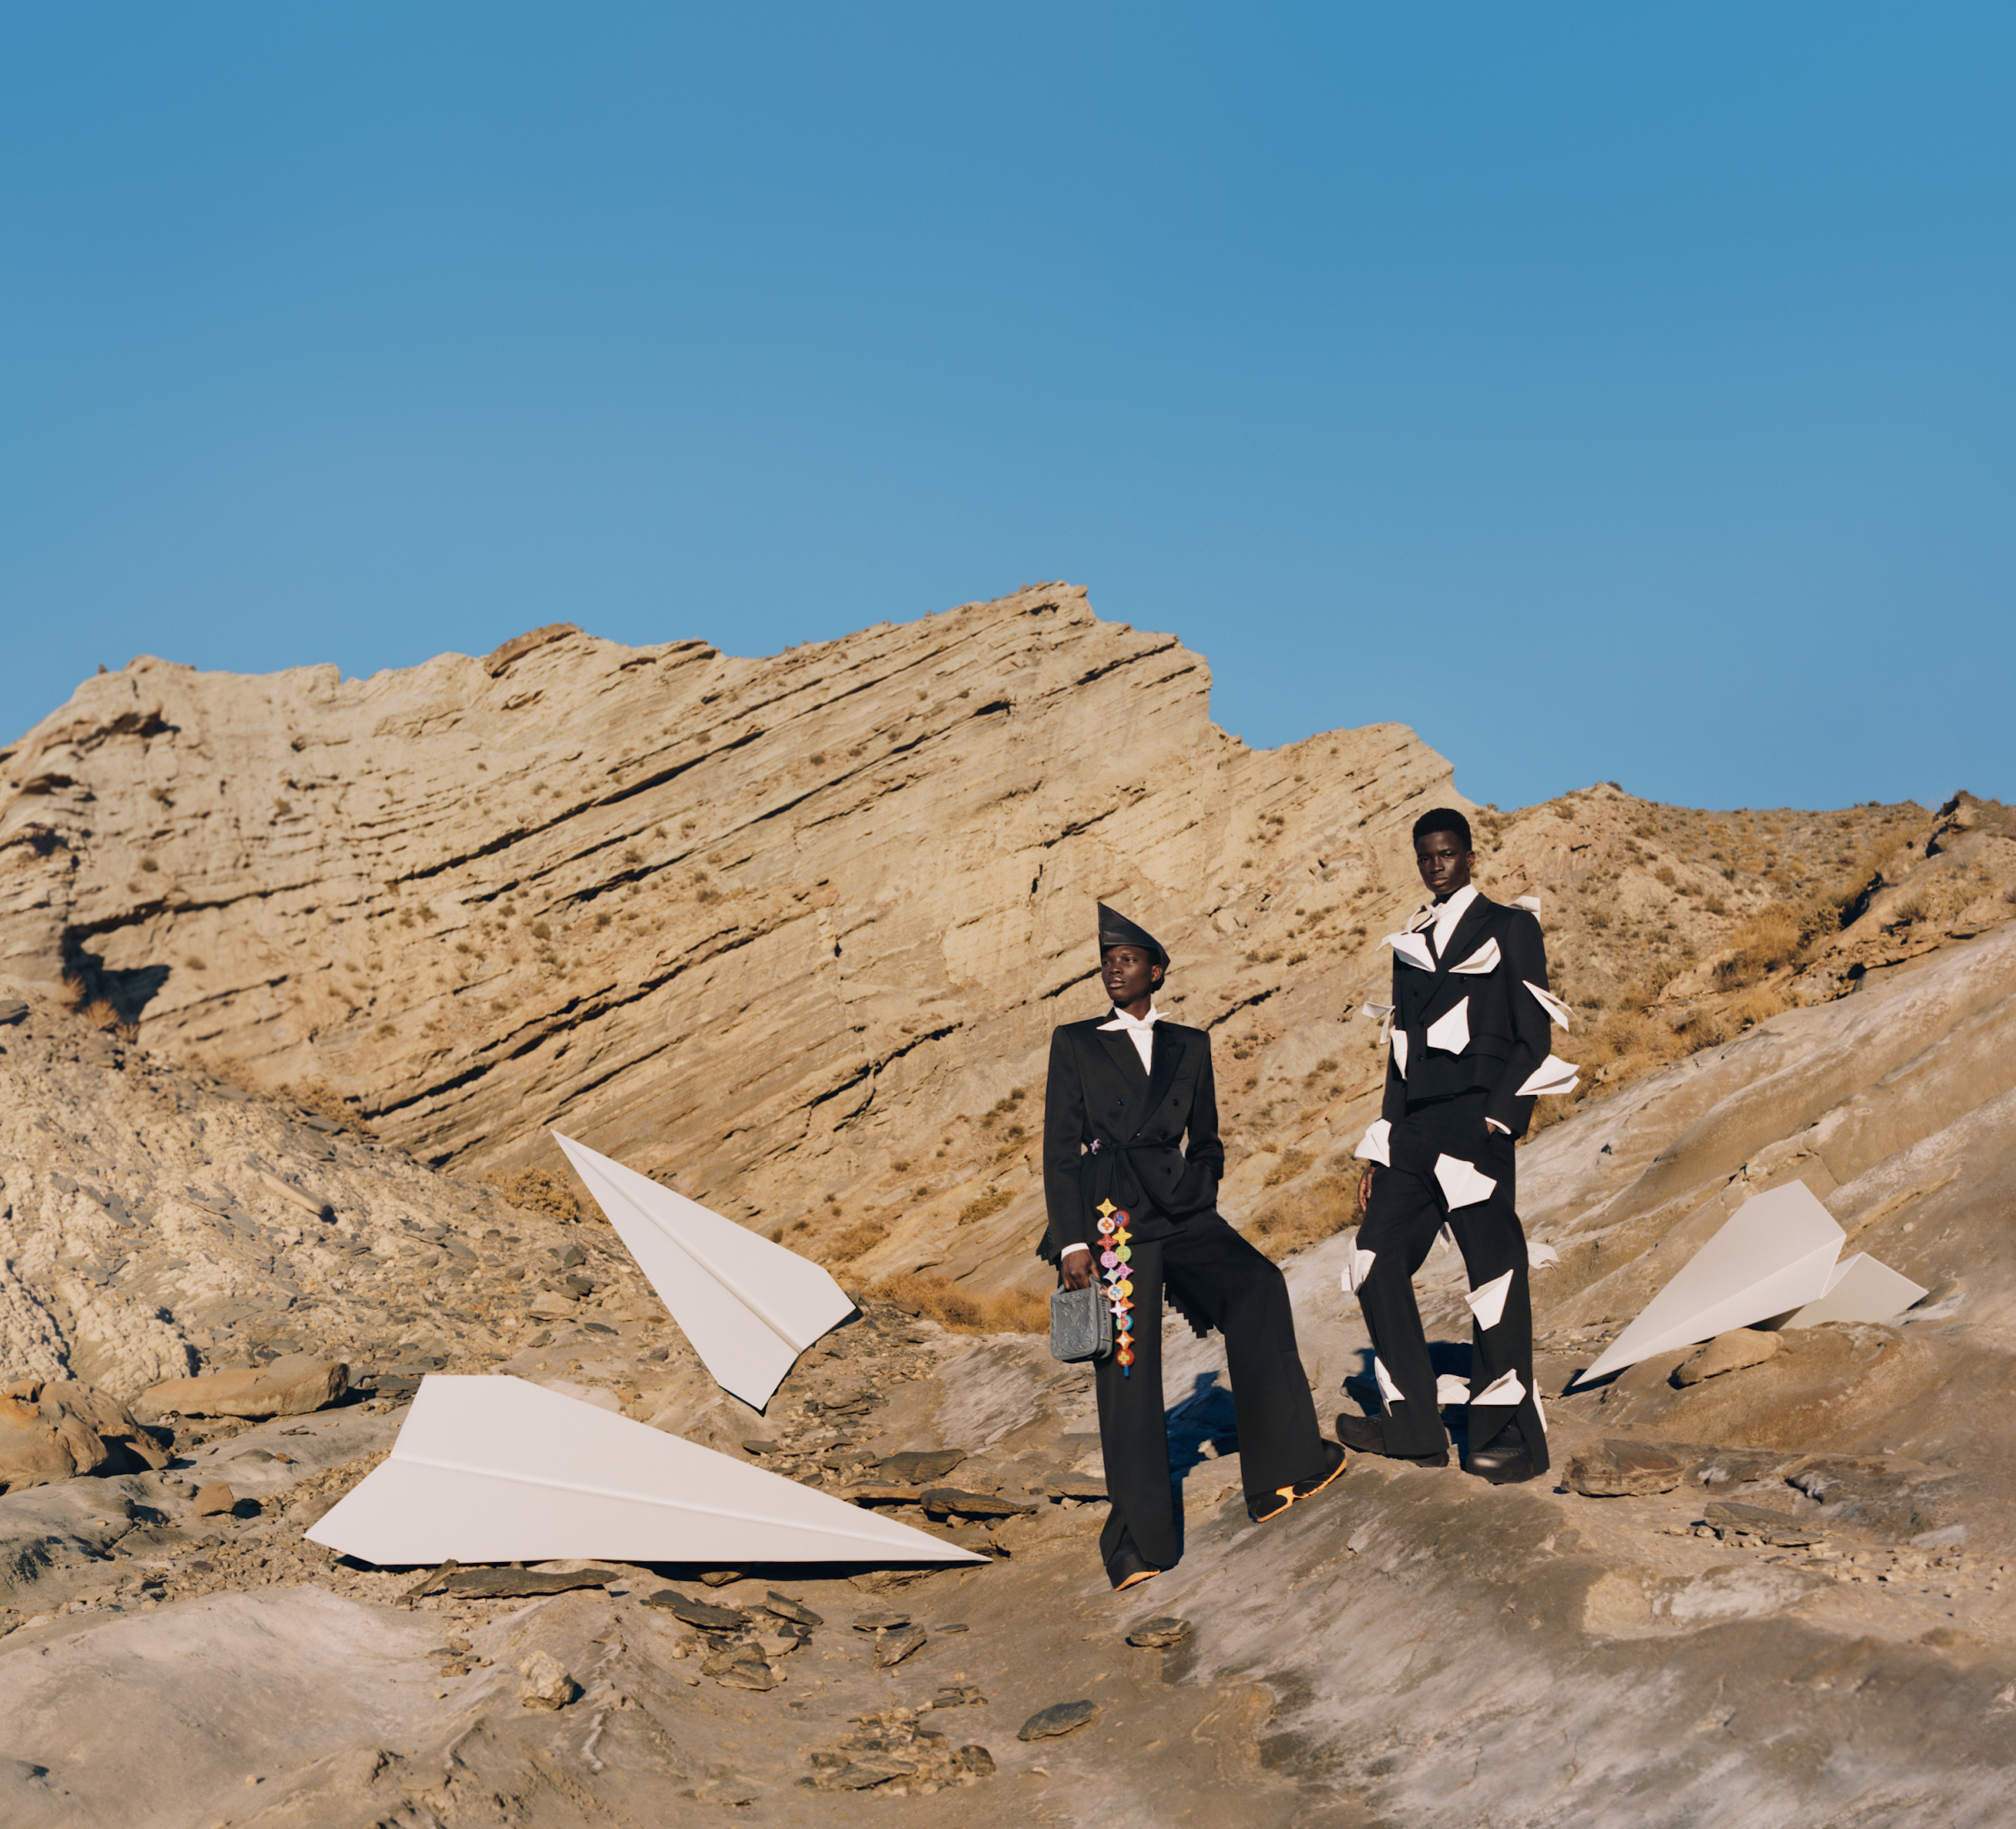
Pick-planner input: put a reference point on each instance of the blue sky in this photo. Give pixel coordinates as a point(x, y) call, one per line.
point(1606, 392)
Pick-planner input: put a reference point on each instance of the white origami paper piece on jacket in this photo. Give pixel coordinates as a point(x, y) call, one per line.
point(1774, 1254)
point(1532, 903)
point(1450, 1032)
point(1357, 1268)
point(497, 1470)
point(1384, 1013)
point(1557, 1012)
point(1400, 1051)
point(1860, 1289)
point(749, 1307)
point(1552, 1076)
point(1505, 1389)
point(1487, 1302)
point(1376, 1144)
point(1413, 947)
point(1462, 1185)
point(1484, 959)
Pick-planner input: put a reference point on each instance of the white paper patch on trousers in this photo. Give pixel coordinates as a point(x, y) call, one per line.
point(1387, 1389)
point(1461, 1183)
point(1487, 1304)
point(1357, 1268)
point(1506, 1390)
point(1449, 1389)
point(1376, 1144)
point(1451, 1034)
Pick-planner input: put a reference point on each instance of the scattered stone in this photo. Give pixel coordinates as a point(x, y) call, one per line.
point(1060, 1718)
point(740, 1666)
point(892, 1647)
point(294, 1196)
point(918, 1464)
point(785, 1607)
point(956, 1695)
point(215, 1500)
point(1728, 1352)
point(760, 1448)
point(290, 1386)
point(516, 1584)
point(949, 1501)
point(1616, 1468)
point(871, 1494)
point(12, 1011)
point(720, 1578)
point(698, 1612)
point(546, 1683)
point(880, 1622)
point(1728, 1519)
point(550, 1305)
point(892, 1749)
point(53, 1431)
point(1158, 1634)
point(1084, 1492)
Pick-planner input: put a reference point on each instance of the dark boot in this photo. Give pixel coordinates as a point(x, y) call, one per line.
point(1366, 1435)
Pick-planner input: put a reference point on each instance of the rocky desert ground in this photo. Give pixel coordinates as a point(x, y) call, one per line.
point(298, 971)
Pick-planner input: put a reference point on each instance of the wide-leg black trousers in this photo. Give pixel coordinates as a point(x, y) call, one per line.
point(1408, 1206)
point(1218, 1279)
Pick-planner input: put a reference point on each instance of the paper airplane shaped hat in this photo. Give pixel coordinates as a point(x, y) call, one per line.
point(749, 1307)
point(495, 1470)
point(1116, 930)
point(1773, 1261)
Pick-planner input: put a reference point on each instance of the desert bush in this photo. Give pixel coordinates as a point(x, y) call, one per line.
point(1769, 939)
point(1328, 1205)
point(857, 1241)
point(1290, 1165)
point(984, 1206)
point(964, 1311)
point(99, 1013)
point(323, 1100)
point(538, 1190)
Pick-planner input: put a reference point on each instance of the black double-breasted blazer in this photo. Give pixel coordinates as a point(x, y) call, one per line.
point(1476, 989)
point(1147, 1142)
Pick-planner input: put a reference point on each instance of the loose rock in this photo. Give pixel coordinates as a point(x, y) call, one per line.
point(290, 1386)
point(215, 1500)
point(785, 1607)
point(892, 1648)
point(546, 1684)
point(1728, 1352)
point(1156, 1634)
point(948, 1501)
point(1614, 1468)
point(1060, 1718)
point(1731, 1520)
point(917, 1464)
point(698, 1612)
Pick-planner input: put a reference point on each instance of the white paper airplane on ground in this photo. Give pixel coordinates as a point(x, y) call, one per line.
point(497, 1470)
point(749, 1307)
point(1773, 1262)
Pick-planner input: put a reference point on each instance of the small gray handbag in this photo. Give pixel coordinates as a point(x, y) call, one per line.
point(1081, 1324)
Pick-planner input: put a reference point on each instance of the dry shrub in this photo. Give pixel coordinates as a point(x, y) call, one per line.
point(962, 1311)
point(323, 1100)
point(1768, 940)
point(984, 1206)
point(1291, 1163)
point(1758, 1005)
point(1325, 1208)
point(99, 1014)
point(860, 1238)
point(538, 1190)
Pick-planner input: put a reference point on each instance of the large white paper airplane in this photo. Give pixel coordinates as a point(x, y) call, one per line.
point(749, 1307)
point(496, 1470)
point(1775, 1253)
point(1860, 1289)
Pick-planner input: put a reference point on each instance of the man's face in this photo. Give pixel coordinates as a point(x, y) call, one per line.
point(1130, 974)
point(1443, 862)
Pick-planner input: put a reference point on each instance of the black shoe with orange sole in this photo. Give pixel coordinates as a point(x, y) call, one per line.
point(1288, 1495)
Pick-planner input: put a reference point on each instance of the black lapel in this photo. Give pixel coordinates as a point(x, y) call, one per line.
point(1120, 1046)
point(1169, 1051)
point(1461, 942)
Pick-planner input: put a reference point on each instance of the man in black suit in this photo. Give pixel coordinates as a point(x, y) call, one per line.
point(1132, 1207)
point(1470, 1025)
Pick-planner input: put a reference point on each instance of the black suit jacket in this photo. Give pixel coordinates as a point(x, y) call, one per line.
point(1112, 1132)
point(1510, 1031)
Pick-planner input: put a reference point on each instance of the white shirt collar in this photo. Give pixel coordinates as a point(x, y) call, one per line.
point(1122, 1020)
point(1140, 1031)
point(1444, 917)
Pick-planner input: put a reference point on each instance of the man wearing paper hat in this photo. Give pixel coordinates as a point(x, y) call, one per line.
point(1469, 1030)
point(1131, 1166)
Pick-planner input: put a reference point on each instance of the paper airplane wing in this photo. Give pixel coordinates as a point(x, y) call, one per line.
point(495, 1470)
point(1527, 902)
point(1557, 1012)
point(1862, 1290)
point(1774, 1253)
point(1376, 1144)
point(1484, 959)
point(1450, 1031)
point(749, 1307)
point(1552, 1076)
point(1412, 948)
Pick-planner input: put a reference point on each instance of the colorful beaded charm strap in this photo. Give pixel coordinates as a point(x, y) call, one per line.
point(1115, 1263)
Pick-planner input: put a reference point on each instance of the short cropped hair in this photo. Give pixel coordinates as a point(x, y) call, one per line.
point(1443, 819)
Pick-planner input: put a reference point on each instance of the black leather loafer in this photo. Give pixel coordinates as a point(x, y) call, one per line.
point(1367, 1435)
point(1126, 1569)
point(1287, 1495)
point(1507, 1461)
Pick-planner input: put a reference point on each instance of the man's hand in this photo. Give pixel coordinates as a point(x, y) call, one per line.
point(1364, 1186)
point(1074, 1269)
